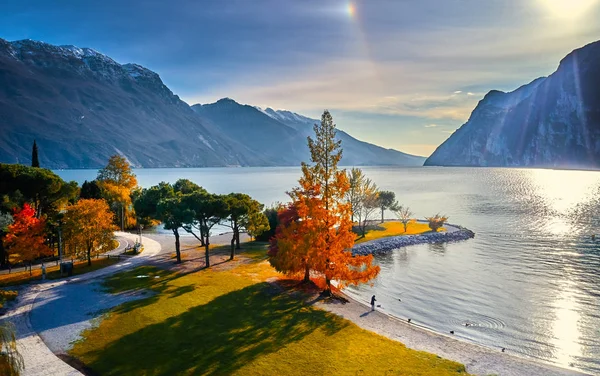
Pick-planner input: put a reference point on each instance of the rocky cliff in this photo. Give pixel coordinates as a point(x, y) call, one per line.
point(551, 122)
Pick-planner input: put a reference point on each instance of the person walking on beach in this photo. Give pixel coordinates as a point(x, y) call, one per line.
point(373, 300)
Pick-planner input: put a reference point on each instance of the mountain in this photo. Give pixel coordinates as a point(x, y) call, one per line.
point(82, 106)
point(262, 134)
point(356, 152)
point(553, 121)
point(281, 135)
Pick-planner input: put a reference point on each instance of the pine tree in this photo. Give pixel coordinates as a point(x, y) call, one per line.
point(35, 162)
point(319, 235)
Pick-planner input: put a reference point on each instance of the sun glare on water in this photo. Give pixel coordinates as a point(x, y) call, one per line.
point(568, 9)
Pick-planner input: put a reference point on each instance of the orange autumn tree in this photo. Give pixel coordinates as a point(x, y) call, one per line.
point(88, 227)
point(26, 236)
point(320, 237)
point(288, 249)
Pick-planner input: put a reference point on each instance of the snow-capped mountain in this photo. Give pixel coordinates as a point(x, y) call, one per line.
point(282, 135)
point(356, 152)
point(82, 106)
point(553, 121)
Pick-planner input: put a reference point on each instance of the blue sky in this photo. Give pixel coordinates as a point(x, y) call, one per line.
point(403, 74)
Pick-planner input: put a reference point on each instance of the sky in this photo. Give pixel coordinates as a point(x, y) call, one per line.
point(402, 74)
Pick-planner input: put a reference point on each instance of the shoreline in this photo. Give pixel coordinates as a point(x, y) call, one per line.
point(453, 233)
point(478, 359)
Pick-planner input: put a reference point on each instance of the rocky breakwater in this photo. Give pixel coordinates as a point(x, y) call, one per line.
point(383, 245)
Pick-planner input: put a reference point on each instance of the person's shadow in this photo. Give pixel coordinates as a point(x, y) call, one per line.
point(366, 314)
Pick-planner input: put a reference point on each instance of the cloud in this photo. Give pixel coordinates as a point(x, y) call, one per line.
point(457, 92)
point(431, 126)
point(470, 94)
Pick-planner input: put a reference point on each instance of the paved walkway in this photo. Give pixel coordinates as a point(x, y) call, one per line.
point(38, 359)
point(124, 242)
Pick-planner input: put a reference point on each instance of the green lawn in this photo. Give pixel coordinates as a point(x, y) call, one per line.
point(228, 320)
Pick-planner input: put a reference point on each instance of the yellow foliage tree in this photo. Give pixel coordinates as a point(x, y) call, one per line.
point(88, 227)
point(117, 181)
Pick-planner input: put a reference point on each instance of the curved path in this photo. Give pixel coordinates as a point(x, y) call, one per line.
point(123, 243)
point(38, 358)
point(52, 332)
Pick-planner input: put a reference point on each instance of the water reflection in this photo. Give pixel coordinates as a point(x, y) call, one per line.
point(437, 248)
point(564, 190)
point(565, 329)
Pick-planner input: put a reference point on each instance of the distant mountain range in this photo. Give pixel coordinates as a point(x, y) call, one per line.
point(81, 107)
point(551, 122)
point(282, 136)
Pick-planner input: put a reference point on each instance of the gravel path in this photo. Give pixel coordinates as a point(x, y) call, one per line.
point(39, 359)
point(123, 243)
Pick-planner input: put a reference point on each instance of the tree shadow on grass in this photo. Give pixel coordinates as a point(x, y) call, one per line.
point(216, 338)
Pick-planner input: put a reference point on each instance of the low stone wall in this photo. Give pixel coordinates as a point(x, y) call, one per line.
point(384, 245)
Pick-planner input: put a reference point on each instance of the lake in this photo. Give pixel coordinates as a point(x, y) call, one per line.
point(529, 281)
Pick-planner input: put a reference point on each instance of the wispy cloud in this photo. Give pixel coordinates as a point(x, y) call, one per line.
point(392, 68)
point(431, 126)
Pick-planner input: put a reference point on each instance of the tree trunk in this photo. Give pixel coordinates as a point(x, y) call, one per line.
point(177, 246)
point(30, 268)
point(89, 256)
point(382, 210)
point(405, 225)
point(206, 255)
point(232, 248)
point(202, 235)
point(199, 238)
point(306, 274)
point(237, 239)
point(327, 291)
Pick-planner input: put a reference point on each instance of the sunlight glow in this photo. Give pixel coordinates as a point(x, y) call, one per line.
point(568, 9)
point(351, 9)
point(563, 190)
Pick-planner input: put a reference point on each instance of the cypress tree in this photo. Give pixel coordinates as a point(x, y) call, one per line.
point(35, 162)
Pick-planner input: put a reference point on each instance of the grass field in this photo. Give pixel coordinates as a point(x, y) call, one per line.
point(230, 320)
point(53, 272)
point(394, 228)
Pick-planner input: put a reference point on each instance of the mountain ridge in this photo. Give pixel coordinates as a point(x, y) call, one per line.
point(552, 122)
point(288, 131)
point(81, 106)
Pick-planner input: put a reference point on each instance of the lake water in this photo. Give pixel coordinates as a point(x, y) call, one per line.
point(529, 281)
